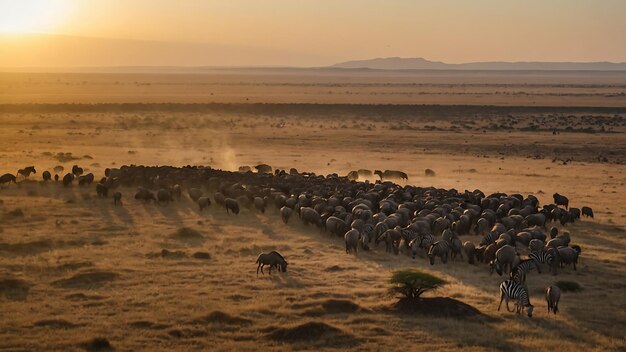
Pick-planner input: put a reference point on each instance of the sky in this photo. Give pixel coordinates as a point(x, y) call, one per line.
point(323, 32)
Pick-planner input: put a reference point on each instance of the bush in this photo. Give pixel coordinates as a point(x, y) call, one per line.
point(569, 286)
point(412, 283)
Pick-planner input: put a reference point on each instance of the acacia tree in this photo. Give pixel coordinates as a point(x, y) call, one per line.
point(412, 283)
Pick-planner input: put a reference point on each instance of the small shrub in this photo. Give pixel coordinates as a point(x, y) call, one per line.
point(412, 283)
point(569, 286)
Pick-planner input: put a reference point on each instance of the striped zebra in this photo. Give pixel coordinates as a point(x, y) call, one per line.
point(519, 272)
point(518, 275)
point(426, 241)
point(366, 236)
point(548, 257)
point(510, 289)
point(489, 238)
point(439, 249)
point(527, 265)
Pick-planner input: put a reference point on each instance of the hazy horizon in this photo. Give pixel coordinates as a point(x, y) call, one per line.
point(283, 33)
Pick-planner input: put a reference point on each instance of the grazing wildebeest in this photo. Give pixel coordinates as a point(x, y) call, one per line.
point(392, 174)
point(7, 178)
point(259, 204)
point(164, 196)
point(102, 190)
point(285, 214)
point(560, 200)
point(273, 259)
point(145, 195)
point(588, 212)
point(27, 171)
point(553, 295)
point(263, 169)
point(204, 202)
point(117, 198)
point(68, 179)
point(231, 205)
point(46, 176)
point(352, 240)
point(85, 179)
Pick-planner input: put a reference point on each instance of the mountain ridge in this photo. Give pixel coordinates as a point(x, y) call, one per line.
point(419, 63)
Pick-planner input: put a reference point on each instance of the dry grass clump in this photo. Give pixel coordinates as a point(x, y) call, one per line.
point(568, 286)
point(14, 289)
point(314, 331)
point(97, 344)
point(89, 280)
point(188, 235)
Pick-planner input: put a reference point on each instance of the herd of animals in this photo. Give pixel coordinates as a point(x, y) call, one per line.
point(417, 221)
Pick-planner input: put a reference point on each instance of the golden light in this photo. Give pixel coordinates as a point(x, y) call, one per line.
point(19, 16)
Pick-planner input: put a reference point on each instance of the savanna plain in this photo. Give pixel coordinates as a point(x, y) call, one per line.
point(79, 273)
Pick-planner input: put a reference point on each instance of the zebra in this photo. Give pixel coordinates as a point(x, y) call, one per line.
point(439, 249)
point(518, 274)
point(489, 238)
point(545, 257)
point(510, 289)
point(366, 236)
point(426, 241)
point(527, 265)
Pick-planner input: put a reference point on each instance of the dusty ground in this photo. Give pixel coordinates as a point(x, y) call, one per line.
point(321, 86)
point(74, 267)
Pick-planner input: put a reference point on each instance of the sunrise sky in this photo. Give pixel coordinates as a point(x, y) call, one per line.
point(307, 32)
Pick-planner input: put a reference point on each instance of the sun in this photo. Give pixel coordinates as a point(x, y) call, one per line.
point(21, 16)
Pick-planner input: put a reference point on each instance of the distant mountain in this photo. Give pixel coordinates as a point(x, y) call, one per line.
point(398, 63)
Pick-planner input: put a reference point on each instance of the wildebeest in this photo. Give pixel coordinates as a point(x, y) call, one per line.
point(7, 178)
point(285, 214)
point(85, 179)
point(102, 190)
point(68, 179)
point(27, 171)
point(204, 202)
point(273, 259)
point(46, 175)
point(164, 195)
point(145, 195)
point(560, 200)
point(429, 173)
point(77, 171)
point(231, 205)
point(352, 240)
point(310, 216)
point(259, 204)
point(553, 295)
point(58, 169)
point(587, 211)
point(117, 198)
point(392, 174)
point(506, 258)
point(263, 169)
